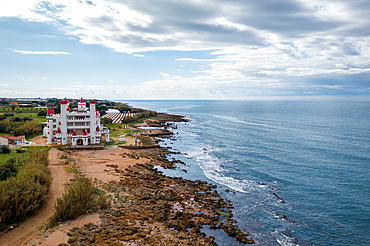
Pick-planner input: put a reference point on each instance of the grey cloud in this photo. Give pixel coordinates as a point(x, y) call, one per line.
point(104, 22)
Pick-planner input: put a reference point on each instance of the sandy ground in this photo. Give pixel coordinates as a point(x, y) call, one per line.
point(92, 163)
point(40, 140)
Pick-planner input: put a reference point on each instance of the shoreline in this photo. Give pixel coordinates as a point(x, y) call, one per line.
point(148, 207)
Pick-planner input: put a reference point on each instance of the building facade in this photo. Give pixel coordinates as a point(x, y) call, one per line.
point(7, 139)
point(79, 126)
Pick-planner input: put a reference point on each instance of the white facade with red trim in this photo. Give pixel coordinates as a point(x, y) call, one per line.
point(80, 126)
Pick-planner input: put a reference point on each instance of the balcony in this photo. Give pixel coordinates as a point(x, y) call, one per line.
point(78, 136)
point(79, 126)
point(79, 113)
point(78, 120)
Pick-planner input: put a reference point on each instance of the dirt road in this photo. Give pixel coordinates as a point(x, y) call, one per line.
point(28, 230)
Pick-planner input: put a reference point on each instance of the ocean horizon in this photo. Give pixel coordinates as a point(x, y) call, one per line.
point(297, 172)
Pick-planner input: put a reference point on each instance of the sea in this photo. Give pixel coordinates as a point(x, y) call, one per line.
point(297, 172)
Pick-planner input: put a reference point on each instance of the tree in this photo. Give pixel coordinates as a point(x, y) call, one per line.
point(57, 110)
point(13, 108)
point(106, 121)
point(124, 109)
point(42, 113)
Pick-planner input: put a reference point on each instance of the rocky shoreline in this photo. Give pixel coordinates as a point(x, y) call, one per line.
point(149, 208)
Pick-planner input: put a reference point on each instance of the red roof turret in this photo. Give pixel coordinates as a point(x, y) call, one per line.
point(64, 102)
point(85, 133)
point(48, 114)
point(92, 102)
point(97, 128)
point(74, 133)
point(81, 101)
point(52, 111)
point(58, 131)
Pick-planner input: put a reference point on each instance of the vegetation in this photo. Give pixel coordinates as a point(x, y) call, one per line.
point(22, 194)
point(80, 198)
point(28, 128)
point(4, 149)
point(139, 116)
point(7, 170)
point(42, 113)
point(20, 128)
point(106, 121)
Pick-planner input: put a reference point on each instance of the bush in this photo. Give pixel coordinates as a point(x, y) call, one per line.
point(28, 128)
point(23, 194)
point(42, 113)
point(79, 199)
point(4, 149)
point(8, 169)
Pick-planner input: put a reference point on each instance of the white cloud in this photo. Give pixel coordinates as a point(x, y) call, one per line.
point(165, 75)
point(110, 81)
point(26, 52)
point(44, 78)
point(78, 82)
point(254, 48)
point(341, 66)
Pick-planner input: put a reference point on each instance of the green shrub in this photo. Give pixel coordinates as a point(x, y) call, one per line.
point(4, 149)
point(42, 113)
point(23, 194)
point(28, 128)
point(80, 198)
point(7, 170)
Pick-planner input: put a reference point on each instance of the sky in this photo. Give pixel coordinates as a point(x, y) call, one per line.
point(193, 49)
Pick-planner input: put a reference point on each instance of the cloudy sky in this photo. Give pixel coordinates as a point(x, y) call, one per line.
point(193, 49)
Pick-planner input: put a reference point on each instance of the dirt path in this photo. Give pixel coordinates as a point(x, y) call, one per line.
point(29, 230)
point(93, 164)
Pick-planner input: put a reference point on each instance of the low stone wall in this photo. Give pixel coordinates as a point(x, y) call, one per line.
point(100, 146)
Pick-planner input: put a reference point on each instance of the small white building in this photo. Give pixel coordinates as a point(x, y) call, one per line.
point(7, 139)
point(79, 126)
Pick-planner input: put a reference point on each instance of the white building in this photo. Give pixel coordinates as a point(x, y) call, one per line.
point(79, 126)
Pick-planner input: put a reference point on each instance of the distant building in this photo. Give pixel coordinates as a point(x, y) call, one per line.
point(6, 140)
point(14, 103)
point(79, 126)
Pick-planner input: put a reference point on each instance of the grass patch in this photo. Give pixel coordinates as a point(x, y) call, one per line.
point(31, 148)
point(80, 198)
point(4, 158)
point(72, 169)
point(111, 142)
point(129, 131)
